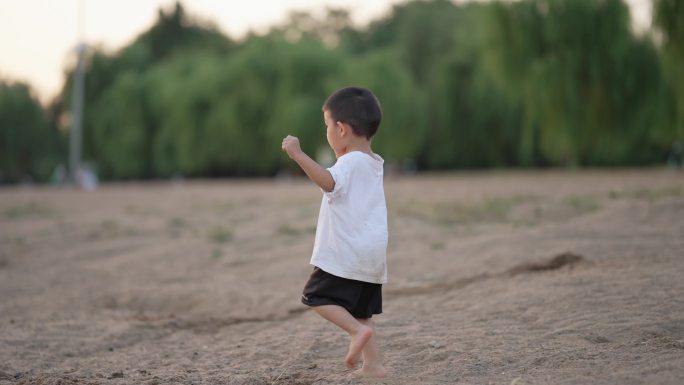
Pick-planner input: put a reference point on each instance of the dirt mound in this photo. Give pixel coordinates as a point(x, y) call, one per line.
point(555, 263)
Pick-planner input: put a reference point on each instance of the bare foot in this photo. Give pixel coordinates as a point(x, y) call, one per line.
point(368, 371)
point(358, 341)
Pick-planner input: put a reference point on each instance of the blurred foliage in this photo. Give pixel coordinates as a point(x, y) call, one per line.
point(589, 91)
point(669, 20)
point(492, 84)
point(29, 148)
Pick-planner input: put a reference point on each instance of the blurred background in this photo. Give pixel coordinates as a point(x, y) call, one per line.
point(463, 85)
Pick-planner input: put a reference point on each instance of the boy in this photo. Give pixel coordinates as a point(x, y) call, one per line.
point(349, 255)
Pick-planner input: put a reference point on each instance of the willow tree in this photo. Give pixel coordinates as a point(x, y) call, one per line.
point(586, 85)
point(668, 18)
point(28, 147)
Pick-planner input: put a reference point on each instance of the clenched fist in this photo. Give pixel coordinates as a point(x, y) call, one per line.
point(291, 146)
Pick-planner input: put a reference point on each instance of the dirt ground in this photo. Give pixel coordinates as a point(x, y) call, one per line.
point(552, 277)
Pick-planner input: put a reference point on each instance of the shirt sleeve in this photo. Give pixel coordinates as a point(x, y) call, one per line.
point(340, 174)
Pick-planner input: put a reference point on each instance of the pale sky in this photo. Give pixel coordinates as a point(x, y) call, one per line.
point(38, 36)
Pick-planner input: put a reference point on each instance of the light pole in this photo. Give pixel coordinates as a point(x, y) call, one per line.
point(77, 115)
point(76, 131)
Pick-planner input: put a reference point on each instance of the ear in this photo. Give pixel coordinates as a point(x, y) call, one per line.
point(344, 129)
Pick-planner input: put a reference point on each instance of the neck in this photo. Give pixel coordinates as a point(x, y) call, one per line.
point(363, 146)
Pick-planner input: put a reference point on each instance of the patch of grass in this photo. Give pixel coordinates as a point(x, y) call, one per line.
point(27, 210)
point(216, 206)
point(143, 211)
point(648, 194)
point(450, 213)
point(437, 246)
point(176, 223)
point(494, 208)
point(557, 209)
point(287, 230)
point(223, 206)
point(175, 226)
point(216, 254)
point(656, 194)
point(581, 203)
point(108, 228)
point(131, 231)
point(109, 225)
point(220, 234)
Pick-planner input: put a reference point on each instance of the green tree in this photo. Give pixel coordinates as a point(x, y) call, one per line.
point(174, 34)
point(472, 121)
point(585, 83)
point(227, 117)
point(28, 148)
point(668, 18)
point(402, 133)
point(122, 133)
point(532, 83)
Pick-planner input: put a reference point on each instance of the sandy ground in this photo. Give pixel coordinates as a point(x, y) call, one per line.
point(495, 278)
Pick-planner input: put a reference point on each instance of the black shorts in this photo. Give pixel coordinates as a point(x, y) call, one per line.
point(361, 299)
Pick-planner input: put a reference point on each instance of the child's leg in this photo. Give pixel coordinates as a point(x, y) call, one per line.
point(359, 332)
point(372, 361)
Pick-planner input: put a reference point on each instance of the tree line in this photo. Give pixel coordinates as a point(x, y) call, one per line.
point(533, 83)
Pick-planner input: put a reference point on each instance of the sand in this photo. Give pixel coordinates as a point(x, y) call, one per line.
point(556, 277)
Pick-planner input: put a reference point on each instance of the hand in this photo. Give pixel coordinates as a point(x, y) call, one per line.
point(291, 146)
point(313, 170)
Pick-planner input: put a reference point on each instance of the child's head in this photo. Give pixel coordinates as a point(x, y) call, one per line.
point(357, 107)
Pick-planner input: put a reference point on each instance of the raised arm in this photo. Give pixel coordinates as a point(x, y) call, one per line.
point(313, 170)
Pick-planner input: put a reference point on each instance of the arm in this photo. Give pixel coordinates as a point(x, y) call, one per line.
point(313, 170)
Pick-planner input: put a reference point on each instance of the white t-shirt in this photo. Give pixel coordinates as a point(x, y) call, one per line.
point(351, 235)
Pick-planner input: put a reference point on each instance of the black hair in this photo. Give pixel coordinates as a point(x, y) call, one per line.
point(357, 107)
